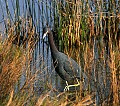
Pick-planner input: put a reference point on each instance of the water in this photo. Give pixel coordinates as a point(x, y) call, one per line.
point(41, 63)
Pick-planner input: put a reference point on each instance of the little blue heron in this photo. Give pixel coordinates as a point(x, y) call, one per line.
point(66, 67)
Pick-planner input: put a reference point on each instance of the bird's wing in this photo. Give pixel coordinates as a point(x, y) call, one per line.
point(71, 70)
point(70, 66)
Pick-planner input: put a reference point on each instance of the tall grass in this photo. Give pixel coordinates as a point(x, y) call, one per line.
point(15, 62)
point(90, 36)
point(93, 28)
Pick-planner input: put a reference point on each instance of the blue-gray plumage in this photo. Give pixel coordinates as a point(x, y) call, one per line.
point(66, 67)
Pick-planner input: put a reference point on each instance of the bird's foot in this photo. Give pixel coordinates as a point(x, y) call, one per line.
point(68, 86)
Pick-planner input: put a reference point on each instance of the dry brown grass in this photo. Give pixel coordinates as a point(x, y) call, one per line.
point(115, 66)
point(76, 28)
point(14, 61)
point(97, 34)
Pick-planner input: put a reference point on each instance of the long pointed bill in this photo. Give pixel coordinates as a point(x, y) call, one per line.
point(45, 34)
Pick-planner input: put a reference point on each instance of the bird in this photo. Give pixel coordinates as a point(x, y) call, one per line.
point(66, 67)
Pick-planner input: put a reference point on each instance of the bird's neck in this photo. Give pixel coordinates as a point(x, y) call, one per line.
point(51, 42)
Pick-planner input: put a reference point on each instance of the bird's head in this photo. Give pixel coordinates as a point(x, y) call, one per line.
point(46, 31)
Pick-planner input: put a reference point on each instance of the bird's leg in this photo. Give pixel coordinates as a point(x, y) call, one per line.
point(68, 86)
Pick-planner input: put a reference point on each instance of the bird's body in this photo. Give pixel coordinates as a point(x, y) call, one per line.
point(66, 67)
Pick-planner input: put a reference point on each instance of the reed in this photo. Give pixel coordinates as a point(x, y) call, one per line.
point(15, 62)
point(90, 36)
point(95, 34)
point(114, 65)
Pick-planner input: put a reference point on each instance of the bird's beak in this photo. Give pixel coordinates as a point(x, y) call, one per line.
point(45, 34)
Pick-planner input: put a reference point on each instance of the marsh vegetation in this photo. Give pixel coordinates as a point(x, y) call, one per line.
point(86, 30)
